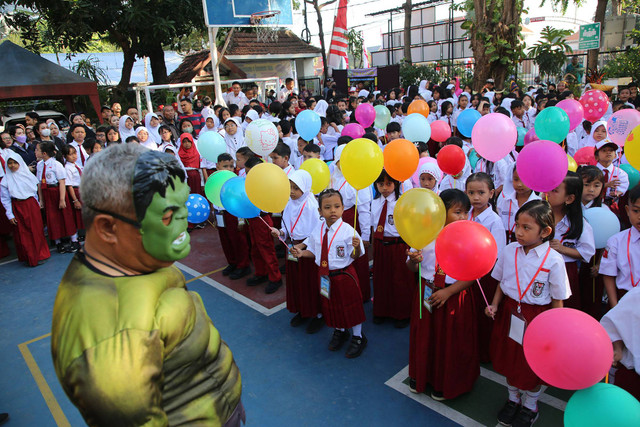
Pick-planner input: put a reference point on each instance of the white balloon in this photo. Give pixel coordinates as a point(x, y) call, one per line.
point(261, 137)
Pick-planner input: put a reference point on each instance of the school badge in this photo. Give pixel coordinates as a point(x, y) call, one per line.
point(324, 264)
point(380, 229)
point(569, 244)
point(605, 254)
point(390, 219)
point(340, 251)
point(536, 291)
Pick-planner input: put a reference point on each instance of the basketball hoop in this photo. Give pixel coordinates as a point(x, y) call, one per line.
point(266, 31)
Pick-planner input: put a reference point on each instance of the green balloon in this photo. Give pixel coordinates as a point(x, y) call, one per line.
point(602, 405)
point(521, 133)
point(383, 116)
point(473, 158)
point(552, 124)
point(214, 185)
point(634, 175)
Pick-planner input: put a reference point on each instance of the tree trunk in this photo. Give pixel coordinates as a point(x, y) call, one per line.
point(158, 66)
point(127, 67)
point(325, 67)
point(592, 55)
point(407, 31)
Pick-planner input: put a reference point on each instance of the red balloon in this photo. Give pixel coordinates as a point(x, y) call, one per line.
point(585, 156)
point(440, 131)
point(451, 159)
point(595, 104)
point(567, 348)
point(466, 250)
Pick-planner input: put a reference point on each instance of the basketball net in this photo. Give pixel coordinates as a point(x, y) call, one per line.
point(266, 33)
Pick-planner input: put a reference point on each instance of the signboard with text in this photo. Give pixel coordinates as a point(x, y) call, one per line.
point(589, 36)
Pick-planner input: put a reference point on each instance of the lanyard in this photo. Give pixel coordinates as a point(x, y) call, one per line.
point(293, 227)
point(509, 218)
point(633, 283)
point(522, 294)
point(330, 241)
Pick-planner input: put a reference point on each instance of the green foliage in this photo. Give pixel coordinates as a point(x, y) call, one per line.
point(355, 40)
point(436, 72)
point(550, 52)
point(90, 69)
point(626, 64)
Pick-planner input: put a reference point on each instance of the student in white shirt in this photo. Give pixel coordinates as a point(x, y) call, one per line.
point(514, 195)
point(78, 133)
point(616, 180)
point(519, 117)
point(236, 96)
point(280, 157)
point(234, 136)
point(72, 182)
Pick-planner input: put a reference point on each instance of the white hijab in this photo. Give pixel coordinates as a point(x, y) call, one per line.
point(423, 91)
point(321, 108)
point(154, 135)
point(123, 131)
point(149, 143)
point(234, 141)
point(590, 141)
point(621, 323)
point(306, 207)
point(433, 170)
point(21, 184)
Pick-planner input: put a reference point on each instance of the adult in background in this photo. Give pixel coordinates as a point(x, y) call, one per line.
point(22, 147)
point(287, 90)
point(236, 96)
point(117, 109)
point(134, 114)
point(169, 120)
point(196, 119)
point(31, 118)
point(106, 114)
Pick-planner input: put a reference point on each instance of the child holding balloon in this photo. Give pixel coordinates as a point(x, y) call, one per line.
point(456, 181)
point(532, 279)
point(514, 195)
point(443, 343)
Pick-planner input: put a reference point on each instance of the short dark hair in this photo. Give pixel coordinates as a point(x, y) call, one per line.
point(88, 144)
point(282, 149)
point(132, 138)
point(104, 107)
point(285, 126)
point(245, 151)
point(224, 157)
point(452, 197)
point(185, 99)
point(344, 139)
point(32, 115)
point(516, 103)
point(311, 148)
point(541, 212)
point(252, 161)
point(454, 140)
point(328, 193)
point(422, 147)
point(288, 80)
point(235, 83)
point(393, 127)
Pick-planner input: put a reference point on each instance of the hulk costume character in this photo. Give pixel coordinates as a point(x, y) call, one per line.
point(130, 344)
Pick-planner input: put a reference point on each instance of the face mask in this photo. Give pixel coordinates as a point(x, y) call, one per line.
point(188, 129)
point(45, 132)
point(21, 138)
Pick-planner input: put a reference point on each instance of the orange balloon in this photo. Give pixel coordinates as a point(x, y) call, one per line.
point(419, 106)
point(401, 159)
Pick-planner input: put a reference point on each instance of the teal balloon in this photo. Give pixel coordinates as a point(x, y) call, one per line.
point(634, 175)
point(602, 405)
point(214, 184)
point(210, 145)
point(383, 116)
point(473, 158)
point(467, 120)
point(308, 124)
point(552, 124)
point(235, 200)
point(416, 127)
point(521, 134)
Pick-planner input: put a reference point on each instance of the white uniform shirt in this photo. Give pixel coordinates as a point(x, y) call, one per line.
point(338, 182)
point(241, 100)
point(507, 206)
point(616, 173)
point(551, 282)
point(376, 210)
point(522, 122)
point(300, 221)
point(82, 154)
point(493, 223)
point(503, 168)
point(615, 259)
point(428, 264)
point(621, 323)
point(460, 183)
point(585, 244)
point(55, 171)
point(289, 170)
point(340, 239)
point(73, 174)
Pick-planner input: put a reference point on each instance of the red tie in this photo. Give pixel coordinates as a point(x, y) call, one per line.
point(438, 278)
point(44, 173)
point(81, 155)
point(324, 255)
point(379, 233)
point(606, 179)
point(79, 170)
point(3, 165)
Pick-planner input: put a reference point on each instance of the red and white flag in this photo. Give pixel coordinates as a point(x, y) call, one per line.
point(338, 57)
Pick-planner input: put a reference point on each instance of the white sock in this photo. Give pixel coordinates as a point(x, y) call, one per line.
point(57, 241)
point(514, 394)
point(357, 330)
point(531, 399)
point(340, 329)
point(319, 316)
point(74, 238)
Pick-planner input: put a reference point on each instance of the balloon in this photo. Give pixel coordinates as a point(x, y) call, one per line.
point(198, 209)
point(466, 250)
point(440, 131)
point(419, 106)
point(320, 174)
point(354, 130)
point(604, 223)
point(415, 127)
point(210, 145)
point(602, 405)
point(522, 133)
point(573, 166)
point(585, 156)
point(383, 116)
point(451, 159)
point(401, 159)
point(214, 184)
point(415, 178)
point(595, 103)
point(261, 137)
point(552, 124)
point(556, 344)
point(235, 201)
point(466, 120)
point(634, 175)
point(308, 124)
point(493, 136)
point(542, 165)
point(574, 110)
point(268, 187)
point(621, 123)
point(530, 137)
point(473, 158)
point(365, 114)
point(361, 162)
point(419, 216)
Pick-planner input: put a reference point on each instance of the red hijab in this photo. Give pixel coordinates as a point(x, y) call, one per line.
point(190, 157)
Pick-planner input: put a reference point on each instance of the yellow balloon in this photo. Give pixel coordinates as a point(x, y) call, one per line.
point(320, 174)
point(361, 162)
point(573, 166)
point(632, 148)
point(267, 187)
point(419, 216)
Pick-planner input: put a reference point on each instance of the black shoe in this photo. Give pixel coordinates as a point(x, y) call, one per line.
point(437, 396)
point(401, 323)
point(356, 347)
point(525, 418)
point(338, 339)
point(74, 247)
point(62, 249)
point(315, 325)
point(272, 286)
point(239, 273)
point(378, 320)
point(256, 280)
point(228, 270)
point(508, 413)
point(412, 385)
point(3, 417)
point(297, 320)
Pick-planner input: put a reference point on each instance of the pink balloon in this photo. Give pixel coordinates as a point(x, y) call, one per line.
point(440, 131)
point(567, 348)
point(585, 156)
point(365, 114)
point(542, 165)
point(574, 110)
point(621, 123)
point(595, 103)
point(415, 178)
point(530, 137)
point(494, 136)
point(354, 130)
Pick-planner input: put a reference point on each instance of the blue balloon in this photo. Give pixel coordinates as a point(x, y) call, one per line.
point(308, 124)
point(604, 223)
point(416, 127)
point(466, 120)
point(210, 145)
point(235, 200)
point(198, 209)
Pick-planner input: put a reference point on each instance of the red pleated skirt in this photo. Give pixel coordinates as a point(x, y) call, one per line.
point(77, 213)
point(443, 345)
point(303, 287)
point(485, 323)
point(343, 308)
point(506, 354)
point(394, 285)
point(194, 181)
point(362, 263)
point(60, 222)
point(5, 231)
point(629, 380)
point(31, 244)
point(574, 283)
point(591, 289)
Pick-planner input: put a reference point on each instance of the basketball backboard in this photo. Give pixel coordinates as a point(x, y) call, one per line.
point(237, 13)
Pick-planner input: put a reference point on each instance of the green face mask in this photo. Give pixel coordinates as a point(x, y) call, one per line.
point(164, 226)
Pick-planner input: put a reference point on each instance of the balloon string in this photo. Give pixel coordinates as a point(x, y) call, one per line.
point(594, 289)
point(484, 296)
point(420, 288)
point(606, 379)
point(279, 238)
point(355, 219)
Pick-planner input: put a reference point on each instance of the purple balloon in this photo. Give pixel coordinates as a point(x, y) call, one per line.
point(354, 130)
point(530, 137)
point(365, 114)
point(542, 165)
point(574, 110)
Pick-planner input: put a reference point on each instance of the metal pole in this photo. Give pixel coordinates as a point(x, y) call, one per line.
point(391, 35)
point(147, 93)
point(219, 100)
point(138, 100)
point(450, 49)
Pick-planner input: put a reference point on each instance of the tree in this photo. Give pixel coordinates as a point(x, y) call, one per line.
point(356, 42)
point(318, 8)
point(407, 31)
point(626, 64)
point(551, 51)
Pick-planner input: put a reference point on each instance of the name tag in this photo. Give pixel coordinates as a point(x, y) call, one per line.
point(220, 220)
point(289, 256)
point(517, 327)
point(427, 294)
point(325, 286)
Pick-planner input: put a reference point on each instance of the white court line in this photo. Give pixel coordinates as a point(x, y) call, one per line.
point(9, 262)
point(230, 292)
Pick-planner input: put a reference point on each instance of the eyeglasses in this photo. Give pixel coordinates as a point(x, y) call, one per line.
point(129, 221)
